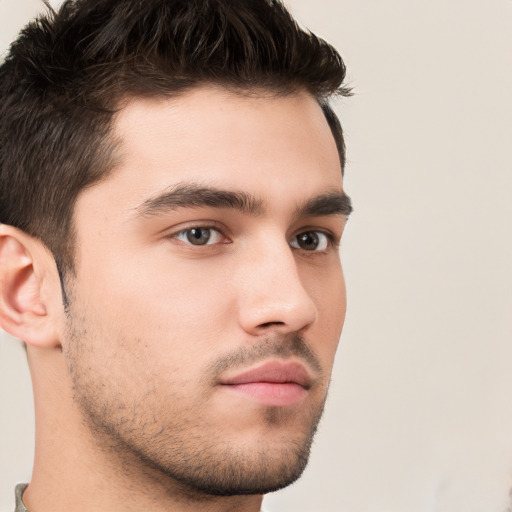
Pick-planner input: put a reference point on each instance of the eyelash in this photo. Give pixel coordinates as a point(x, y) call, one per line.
point(329, 239)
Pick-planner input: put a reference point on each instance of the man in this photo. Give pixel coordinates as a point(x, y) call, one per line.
point(171, 209)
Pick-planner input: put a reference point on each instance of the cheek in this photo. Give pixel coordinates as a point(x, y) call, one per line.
point(327, 290)
point(171, 311)
point(326, 286)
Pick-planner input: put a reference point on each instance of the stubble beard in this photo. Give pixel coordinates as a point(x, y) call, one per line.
point(184, 455)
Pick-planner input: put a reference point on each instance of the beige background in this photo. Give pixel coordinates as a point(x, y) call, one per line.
point(420, 413)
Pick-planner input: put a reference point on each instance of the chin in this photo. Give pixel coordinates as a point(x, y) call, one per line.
point(251, 474)
point(230, 465)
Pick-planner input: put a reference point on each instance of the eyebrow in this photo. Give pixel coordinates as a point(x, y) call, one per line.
point(196, 196)
point(190, 195)
point(331, 203)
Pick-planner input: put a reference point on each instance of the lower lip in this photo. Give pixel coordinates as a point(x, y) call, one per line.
point(275, 394)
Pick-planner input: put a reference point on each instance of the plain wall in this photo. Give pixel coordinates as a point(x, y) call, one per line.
point(419, 417)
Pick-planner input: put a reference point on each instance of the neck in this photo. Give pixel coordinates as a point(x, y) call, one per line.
point(76, 470)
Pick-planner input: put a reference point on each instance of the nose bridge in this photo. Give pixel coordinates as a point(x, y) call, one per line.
point(274, 296)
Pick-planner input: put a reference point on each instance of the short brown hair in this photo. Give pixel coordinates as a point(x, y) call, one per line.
point(67, 73)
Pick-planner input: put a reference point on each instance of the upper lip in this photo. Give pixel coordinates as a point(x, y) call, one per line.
point(278, 372)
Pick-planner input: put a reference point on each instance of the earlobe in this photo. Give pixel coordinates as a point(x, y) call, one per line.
point(22, 310)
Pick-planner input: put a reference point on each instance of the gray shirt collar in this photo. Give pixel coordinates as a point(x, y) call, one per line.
point(20, 506)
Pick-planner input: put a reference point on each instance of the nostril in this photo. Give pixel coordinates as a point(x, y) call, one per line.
point(270, 324)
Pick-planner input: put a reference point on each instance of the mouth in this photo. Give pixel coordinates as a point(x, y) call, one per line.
point(274, 383)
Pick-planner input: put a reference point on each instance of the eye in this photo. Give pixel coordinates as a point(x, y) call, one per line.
point(199, 235)
point(310, 241)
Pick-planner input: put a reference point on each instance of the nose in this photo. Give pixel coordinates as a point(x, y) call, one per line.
point(272, 297)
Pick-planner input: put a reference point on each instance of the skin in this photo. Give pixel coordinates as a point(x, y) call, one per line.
point(132, 407)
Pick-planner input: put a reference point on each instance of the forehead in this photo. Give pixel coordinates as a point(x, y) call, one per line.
point(265, 144)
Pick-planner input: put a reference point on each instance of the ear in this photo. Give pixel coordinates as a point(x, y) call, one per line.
point(26, 269)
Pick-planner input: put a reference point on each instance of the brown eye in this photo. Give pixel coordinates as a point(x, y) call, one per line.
point(199, 236)
point(310, 241)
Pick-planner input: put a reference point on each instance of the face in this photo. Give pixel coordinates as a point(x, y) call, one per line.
point(209, 298)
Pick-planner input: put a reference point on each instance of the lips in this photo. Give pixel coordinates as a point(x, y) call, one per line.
point(277, 372)
point(275, 383)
